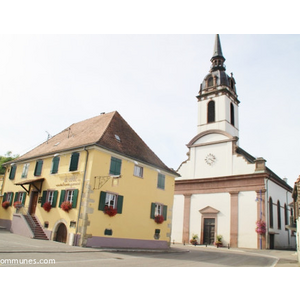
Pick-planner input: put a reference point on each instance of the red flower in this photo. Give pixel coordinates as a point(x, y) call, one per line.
point(159, 219)
point(5, 204)
point(17, 204)
point(47, 206)
point(110, 211)
point(260, 227)
point(66, 206)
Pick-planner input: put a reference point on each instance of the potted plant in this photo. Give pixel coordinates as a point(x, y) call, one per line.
point(159, 219)
point(5, 204)
point(194, 240)
point(47, 206)
point(18, 204)
point(109, 210)
point(260, 227)
point(218, 242)
point(66, 206)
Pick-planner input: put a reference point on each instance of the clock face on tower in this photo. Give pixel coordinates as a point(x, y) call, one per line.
point(210, 159)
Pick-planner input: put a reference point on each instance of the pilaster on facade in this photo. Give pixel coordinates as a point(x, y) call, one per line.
point(186, 218)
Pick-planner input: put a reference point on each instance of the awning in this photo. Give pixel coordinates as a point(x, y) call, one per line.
point(37, 183)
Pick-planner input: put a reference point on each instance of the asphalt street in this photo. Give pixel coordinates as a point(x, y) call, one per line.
point(19, 251)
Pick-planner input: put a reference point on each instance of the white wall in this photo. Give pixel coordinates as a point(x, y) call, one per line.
point(177, 219)
point(247, 211)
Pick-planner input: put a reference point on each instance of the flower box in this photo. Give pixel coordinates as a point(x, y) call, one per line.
point(159, 219)
point(109, 210)
point(18, 204)
point(47, 206)
point(5, 204)
point(66, 206)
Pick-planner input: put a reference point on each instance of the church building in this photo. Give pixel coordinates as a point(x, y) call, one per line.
point(223, 190)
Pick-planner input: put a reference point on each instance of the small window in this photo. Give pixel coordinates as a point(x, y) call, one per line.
point(8, 197)
point(69, 195)
point(25, 170)
point(111, 200)
point(49, 196)
point(232, 114)
point(211, 112)
point(278, 215)
point(12, 173)
point(55, 164)
point(138, 171)
point(158, 209)
point(210, 82)
point(115, 166)
point(38, 168)
point(20, 196)
point(271, 212)
point(74, 161)
point(161, 181)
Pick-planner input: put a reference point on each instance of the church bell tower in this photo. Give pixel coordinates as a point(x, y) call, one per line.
point(217, 100)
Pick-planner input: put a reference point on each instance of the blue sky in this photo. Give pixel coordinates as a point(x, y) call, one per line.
point(49, 81)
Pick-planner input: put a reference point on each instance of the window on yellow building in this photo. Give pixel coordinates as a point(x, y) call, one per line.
point(49, 196)
point(74, 161)
point(55, 164)
point(115, 166)
point(38, 168)
point(25, 170)
point(161, 181)
point(70, 195)
point(138, 171)
point(20, 196)
point(158, 209)
point(111, 200)
point(12, 173)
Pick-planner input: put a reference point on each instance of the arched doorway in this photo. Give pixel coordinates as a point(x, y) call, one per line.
point(61, 233)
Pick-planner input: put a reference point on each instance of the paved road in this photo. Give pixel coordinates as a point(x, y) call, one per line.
point(18, 251)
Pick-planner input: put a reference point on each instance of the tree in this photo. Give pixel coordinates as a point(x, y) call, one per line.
point(6, 158)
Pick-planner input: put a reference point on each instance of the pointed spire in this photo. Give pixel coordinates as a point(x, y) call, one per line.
point(217, 58)
point(217, 48)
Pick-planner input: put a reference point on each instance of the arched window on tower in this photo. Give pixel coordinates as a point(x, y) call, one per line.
point(232, 114)
point(278, 215)
point(211, 111)
point(210, 82)
point(270, 213)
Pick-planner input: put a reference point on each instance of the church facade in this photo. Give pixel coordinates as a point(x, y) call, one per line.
point(223, 190)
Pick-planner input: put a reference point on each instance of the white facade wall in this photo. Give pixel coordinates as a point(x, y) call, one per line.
point(282, 237)
point(177, 219)
point(247, 217)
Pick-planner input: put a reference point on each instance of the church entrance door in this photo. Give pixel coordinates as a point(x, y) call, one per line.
point(209, 231)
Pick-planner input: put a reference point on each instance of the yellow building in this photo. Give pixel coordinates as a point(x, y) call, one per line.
point(118, 192)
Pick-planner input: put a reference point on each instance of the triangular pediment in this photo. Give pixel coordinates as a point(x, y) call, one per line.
point(208, 210)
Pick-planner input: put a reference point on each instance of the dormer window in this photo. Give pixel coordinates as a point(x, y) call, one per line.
point(210, 82)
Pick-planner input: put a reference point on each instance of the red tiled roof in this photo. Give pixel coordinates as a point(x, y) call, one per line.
point(109, 131)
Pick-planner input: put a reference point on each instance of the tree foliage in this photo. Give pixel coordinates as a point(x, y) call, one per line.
point(6, 158)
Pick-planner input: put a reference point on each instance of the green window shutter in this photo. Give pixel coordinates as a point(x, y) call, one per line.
point(4, 197)
point(165, 209)
point(54, 199)
point(44, 198)
point(12, 172)
point(120, 204)
point(152, 214)
point(16, 197)
point(102, 201)
point(55, 163)
point(74, 161)
point(161, 181)
point(38, 168)
point(24, 198)
point(62, 197)
point(74, 200)
point(115, 166)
